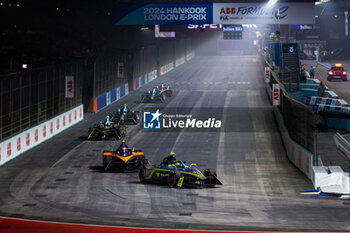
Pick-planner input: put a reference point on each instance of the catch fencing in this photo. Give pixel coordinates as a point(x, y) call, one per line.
point(30, 98)
point(298, 118)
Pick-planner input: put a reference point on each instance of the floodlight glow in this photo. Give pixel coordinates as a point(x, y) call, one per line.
point(24, 66)
point(272, 2)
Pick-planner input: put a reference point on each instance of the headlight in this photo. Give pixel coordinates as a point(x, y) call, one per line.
point(344, 73)
point(330, 72)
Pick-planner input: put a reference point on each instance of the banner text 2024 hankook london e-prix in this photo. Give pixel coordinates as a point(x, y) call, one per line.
point(213, 13)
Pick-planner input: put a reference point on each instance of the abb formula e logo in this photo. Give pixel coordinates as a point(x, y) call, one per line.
point(228, 11)
point(257, 11)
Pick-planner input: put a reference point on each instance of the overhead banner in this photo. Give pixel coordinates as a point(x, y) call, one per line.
point(213, 13)
point(263, 13)
point(150, 14)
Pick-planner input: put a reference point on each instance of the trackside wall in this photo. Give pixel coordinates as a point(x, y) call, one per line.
point(298, 155)
point(330, 179)
point(26, 140)
point(144, 65)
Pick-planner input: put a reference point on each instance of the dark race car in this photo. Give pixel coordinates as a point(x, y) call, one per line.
point(153, 96)
point(104, 131)
point(165, 89)
point(337, 72)
point(123, 158)
point(176, 173)
point(128, 117)
point(125, 116)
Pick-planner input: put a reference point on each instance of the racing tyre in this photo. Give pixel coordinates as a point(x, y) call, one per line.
point(107, 162)
point(173, 178)
point(210, 174)
point(142, 172)
point(90, 131)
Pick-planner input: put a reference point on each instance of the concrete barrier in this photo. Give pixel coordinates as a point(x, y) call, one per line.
point(24, 141)
point(331, 179)
point(180, 61)
point(166, 68)
point(298, 155)
point(313, 100)
point(102, 101)
point(190, 55)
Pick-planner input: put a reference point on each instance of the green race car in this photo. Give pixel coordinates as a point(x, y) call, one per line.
point(153, 96)
point(176, 173)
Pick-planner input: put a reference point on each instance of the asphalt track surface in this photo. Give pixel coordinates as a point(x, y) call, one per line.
point(62, 180)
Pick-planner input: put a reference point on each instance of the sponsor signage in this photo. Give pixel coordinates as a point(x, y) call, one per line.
point(69, 86)
point(213, 13)
point(267, 74)
point(150, 14)
point(232, 28)
point(120, 69)
point(216, 26)
point(275, 94)
point(263, 13)
point(301, 27)
point(232, 32)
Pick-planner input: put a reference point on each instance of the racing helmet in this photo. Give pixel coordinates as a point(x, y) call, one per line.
point(170, 159)
point(107, 116)
point(123, 145)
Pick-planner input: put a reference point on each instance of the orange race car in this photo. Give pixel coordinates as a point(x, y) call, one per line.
point(337, 71)
point(123, 158)
point(165, 89)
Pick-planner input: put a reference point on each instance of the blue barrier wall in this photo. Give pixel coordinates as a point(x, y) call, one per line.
point(110, 97)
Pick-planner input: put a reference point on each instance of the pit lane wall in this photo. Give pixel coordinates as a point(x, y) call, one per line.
point(298, 155)
point(26, 140)
point(331, 179)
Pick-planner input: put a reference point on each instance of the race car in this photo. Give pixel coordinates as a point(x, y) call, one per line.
point(176, 173)
point(337, 71)
point(126, 116)
point(103, 131)
point(153, 96)
point(165, 89)
point(123, 158)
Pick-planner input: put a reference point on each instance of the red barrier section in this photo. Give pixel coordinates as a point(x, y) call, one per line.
point(13, 225)
point(93, 105)
point(133, 85)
